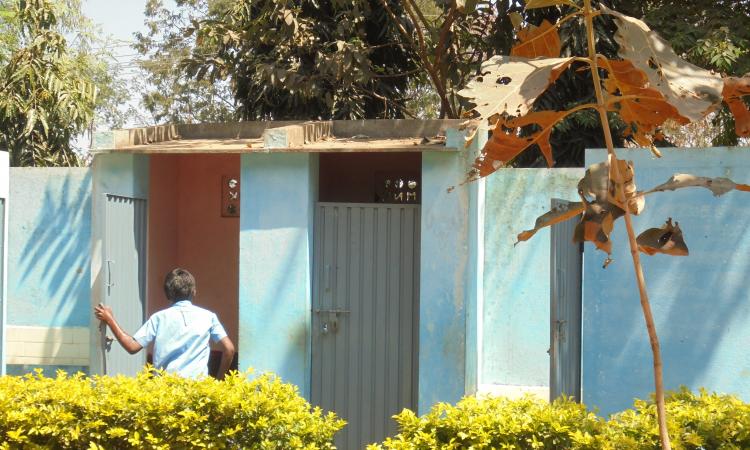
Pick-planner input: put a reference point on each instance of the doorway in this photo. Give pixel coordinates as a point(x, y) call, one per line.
point(191, 226)
point(366, 291)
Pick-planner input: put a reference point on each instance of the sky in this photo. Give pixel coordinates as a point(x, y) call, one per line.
point(119, 20)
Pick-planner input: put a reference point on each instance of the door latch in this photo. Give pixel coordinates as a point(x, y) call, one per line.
point(331, 325)
point(108, 343)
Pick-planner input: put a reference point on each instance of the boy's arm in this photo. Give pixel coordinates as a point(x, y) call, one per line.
point(104, 313)
point(227, 355)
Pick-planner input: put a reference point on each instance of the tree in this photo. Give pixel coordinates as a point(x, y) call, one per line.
point(305, 60)
point(645, 86)
point(44, 102)
point(711, 34)
point(168, 94)
point(54, 84)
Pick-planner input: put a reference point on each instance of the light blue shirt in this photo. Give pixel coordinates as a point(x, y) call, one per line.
point(181, 336)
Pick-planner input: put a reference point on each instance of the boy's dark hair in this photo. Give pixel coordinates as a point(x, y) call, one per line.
point(179, 285)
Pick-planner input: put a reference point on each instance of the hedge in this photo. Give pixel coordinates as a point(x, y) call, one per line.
point(699, 421)
point(159, 411)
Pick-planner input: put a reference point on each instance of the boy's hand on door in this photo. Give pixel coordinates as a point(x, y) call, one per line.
point(104, 313)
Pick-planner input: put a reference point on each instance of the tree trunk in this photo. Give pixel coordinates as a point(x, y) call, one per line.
point(645, 305)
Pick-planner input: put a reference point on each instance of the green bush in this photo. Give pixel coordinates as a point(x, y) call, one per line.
point(695, 421)
point(159, 411)
point(699, 421)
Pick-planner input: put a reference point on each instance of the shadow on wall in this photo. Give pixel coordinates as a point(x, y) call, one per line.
point(50, 247)
point(700, 302)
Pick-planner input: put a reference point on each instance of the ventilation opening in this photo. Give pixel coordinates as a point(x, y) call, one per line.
point(371, 178)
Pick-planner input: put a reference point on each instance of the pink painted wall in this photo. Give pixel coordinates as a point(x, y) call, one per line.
point(186, 229)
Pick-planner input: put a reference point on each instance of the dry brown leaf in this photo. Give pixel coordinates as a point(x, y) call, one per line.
point(599, 185)
point(557, 214)
point(597, 223)
point(509, 85)
point(505, 143)
point(532, 4)
point(693, 91)
point(598, 189)
point(719, 186)
point(534, 41)
point(734, 89)
point(643, 115)
point(667, 240)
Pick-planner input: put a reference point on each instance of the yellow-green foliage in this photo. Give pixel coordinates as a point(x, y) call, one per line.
point(159, 411)
point(696, 422)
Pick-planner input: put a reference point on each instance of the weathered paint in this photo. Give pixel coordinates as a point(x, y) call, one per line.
point(49, 247)
point(446, 275)
point(125, 175)
point(278, 193)
point(515, 313)
point(700, 302)
point(4, 189)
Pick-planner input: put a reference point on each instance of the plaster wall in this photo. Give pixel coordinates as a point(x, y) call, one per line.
point(49, 231)
point(49, 247)
point(278, 194)
point(700, 302)
point(163, 230)
point(516, 299)
point(449, 274)
point(186, 229)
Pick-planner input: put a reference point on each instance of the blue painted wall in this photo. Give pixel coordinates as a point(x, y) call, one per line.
point(443, 275)
point(276, 222)
point(515, 311)
point(49, 247)
point(700, 302)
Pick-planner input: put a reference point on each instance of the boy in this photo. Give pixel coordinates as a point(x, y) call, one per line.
point(180, 333)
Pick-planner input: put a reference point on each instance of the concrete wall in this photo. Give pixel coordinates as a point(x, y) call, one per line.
point(700, 302)
point(514, 319)
point(278, 194)
point(163, 226)
point(448, 274)
point(49, 256)
point(186, 229)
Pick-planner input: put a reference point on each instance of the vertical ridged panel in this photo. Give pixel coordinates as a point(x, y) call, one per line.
point(566, 260)
point(367, 266)
point(124, 275)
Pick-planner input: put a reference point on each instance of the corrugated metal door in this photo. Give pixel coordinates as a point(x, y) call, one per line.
point(125, 276)
point(365, 309)
point(566, 259)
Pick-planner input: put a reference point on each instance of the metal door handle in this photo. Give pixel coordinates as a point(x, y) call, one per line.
point(109, 282)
